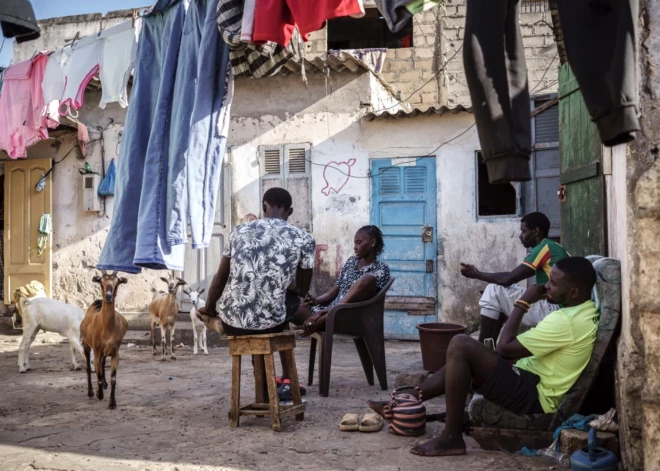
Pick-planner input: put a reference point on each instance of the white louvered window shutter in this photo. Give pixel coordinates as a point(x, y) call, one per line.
point(270, 163)
point(297, 158)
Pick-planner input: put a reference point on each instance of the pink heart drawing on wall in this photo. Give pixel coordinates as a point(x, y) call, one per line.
point(336, 175)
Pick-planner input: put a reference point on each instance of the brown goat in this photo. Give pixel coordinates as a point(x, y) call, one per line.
point(102, 330)
point(163, 310)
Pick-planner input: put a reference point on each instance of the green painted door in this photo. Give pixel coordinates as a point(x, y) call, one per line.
point(581, 162)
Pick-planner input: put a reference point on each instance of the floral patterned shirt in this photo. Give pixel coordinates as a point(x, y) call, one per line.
point(264, 256)
point(350, 273)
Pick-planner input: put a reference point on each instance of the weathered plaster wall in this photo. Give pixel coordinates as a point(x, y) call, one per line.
point(78, 235)
point(645, 279)
point(491, 244)
point(338, 138)
point(638, 378)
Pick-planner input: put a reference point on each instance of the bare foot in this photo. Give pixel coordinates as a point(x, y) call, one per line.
point(211, 323)
point(378, 407)
point(440, 446)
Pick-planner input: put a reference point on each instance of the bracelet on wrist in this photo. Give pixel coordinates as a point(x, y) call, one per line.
point(524, 305)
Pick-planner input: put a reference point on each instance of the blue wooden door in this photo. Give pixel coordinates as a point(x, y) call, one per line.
point(403, 205)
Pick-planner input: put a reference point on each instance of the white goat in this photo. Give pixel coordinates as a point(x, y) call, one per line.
point(52, 316)
point(199, 329)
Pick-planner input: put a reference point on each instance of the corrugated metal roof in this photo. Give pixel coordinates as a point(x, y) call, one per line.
point(418, 111)
point(338, 63)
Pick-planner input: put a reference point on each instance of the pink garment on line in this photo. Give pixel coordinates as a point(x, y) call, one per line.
point(80, 68)
point(83, 138)
point(21, 105)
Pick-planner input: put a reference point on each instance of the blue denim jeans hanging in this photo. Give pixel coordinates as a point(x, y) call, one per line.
point(137, 232)
point(171, 155)
point(196, 144)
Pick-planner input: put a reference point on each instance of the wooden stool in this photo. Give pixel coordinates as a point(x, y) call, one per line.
point(262, 347)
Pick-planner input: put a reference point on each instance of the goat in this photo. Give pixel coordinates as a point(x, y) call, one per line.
point(198, 327)
point(102, 330)
point(52, 316)
point(163, 310)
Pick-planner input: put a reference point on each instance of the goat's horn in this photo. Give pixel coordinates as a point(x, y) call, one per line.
point(114, 273)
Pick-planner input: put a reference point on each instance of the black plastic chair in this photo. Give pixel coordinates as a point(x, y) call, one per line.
point(364, 322)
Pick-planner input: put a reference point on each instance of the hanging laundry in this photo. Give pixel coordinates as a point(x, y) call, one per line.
point(107, 186)
point(247, 24)
point(117, 58)
point(275, 20)
point(196, 149)
point(602, 56)
point(18, 21)
point(53, 84)
point(80, 68)
point(418, 6)
point(83, 138)
point(601, 45)
point(2, 77)
point(248, 60)
point(172, 149)
point(138, 220)
point(21, 104)
point(496, 74)
point(45, 228)
point(362, 11)
point(395, 13)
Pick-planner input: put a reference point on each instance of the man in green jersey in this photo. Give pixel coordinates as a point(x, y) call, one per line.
point(499, 296)
point(549, 358)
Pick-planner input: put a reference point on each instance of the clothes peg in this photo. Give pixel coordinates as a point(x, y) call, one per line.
point(75, 38)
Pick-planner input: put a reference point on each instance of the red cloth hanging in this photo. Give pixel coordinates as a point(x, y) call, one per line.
point(275, 20)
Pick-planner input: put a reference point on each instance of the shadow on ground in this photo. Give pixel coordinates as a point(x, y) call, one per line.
point(173, 416)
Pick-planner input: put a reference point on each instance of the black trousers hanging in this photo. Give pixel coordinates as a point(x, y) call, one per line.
point(496, 72)
point(601, 44)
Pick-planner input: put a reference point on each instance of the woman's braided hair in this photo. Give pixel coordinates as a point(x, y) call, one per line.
point(375, 233)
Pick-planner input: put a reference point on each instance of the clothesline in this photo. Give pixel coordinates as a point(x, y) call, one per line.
point(39, 91)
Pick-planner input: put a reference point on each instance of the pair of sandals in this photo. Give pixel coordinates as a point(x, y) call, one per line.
point(370, 422)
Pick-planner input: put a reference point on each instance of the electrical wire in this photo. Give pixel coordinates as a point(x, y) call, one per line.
point(543, 76)
point(407, 162)
point(398, 102)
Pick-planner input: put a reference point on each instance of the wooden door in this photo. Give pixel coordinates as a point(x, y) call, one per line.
point(582, 190)
point(24, 206)
point(403, 205)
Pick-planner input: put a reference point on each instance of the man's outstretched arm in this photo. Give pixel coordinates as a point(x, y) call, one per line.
point(518, 274)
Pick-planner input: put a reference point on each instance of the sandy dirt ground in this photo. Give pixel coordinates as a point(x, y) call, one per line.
point(173, 416)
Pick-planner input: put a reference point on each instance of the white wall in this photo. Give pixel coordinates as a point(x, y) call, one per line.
point(491, 244)
point(338, 135)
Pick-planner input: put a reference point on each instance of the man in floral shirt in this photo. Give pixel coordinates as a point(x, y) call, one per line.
point(261, 260)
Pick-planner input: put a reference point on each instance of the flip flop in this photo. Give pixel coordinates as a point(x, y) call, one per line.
point(371, 422)
point(349, 423)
